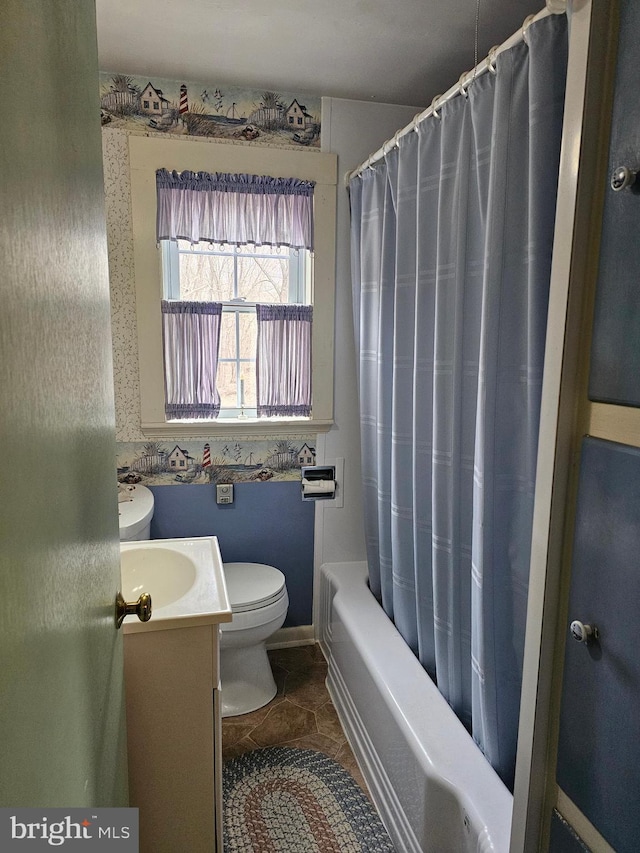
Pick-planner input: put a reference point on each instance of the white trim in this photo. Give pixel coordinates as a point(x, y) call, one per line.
point(615, 423)
point(247, 428)
point(585, 829)
point(318, 541)
point(287, 638)
point(578, 216)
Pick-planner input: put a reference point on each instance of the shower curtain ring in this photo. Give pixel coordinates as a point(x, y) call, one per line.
point(394, 140)
point(415, 122)
point(464, 90)
point(434, 104)
point(491, 59)
point(525, 27)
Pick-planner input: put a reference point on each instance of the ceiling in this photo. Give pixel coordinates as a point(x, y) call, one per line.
point(393, 51)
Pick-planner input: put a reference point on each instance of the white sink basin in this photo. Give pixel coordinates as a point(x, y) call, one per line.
point(184, 578)
point(166, 571)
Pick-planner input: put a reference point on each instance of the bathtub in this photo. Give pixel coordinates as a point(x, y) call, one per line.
point(434, 789)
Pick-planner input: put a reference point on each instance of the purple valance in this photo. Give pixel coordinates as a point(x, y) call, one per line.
point(234, 209)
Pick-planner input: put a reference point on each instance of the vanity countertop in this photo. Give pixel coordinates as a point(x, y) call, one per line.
point(184, 577)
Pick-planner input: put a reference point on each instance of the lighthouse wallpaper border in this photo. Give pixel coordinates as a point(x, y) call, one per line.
point(188, 108)
point(213, 461)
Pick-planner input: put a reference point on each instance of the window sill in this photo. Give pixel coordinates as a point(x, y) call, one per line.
point(236, 428)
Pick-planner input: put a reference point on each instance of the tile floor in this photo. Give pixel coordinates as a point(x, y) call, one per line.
point(301, 714)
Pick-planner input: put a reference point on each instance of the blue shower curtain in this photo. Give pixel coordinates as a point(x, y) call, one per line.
point(451, 255)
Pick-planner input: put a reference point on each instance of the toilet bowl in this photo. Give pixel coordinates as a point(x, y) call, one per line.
point(135, 511)
point(259, 602)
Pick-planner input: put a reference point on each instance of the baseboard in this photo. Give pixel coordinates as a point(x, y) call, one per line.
point(298, 635)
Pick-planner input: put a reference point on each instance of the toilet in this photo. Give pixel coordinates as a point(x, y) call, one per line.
point(135, 511)
point(259, 601)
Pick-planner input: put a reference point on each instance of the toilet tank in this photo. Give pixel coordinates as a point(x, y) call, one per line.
point(135, 510)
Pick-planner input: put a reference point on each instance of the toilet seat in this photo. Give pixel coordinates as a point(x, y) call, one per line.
point(251, 586)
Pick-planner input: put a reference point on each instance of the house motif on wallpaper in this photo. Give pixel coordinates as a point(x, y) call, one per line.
point(306, 455)
point(297, 116)
point(180, 459)
point(152, 101)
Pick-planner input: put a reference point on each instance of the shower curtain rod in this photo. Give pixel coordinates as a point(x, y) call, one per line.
point(553, 7)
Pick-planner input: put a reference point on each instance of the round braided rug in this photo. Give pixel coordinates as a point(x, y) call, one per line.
point(297, 801)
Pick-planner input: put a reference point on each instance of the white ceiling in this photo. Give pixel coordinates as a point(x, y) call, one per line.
point(394, 51)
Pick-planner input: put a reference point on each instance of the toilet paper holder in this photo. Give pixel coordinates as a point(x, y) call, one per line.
point(318, 482)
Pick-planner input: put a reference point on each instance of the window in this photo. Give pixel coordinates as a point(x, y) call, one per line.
point(299, 119)
point(146, 105)
point(290, 119)
point(239, 278)
point(246, 212)
point(156, 105)
point(147, 154)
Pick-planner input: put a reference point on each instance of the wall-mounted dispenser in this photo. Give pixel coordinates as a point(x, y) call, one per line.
point(318, 482)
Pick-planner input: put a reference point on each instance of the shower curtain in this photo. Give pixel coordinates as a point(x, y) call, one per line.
point(451, 254)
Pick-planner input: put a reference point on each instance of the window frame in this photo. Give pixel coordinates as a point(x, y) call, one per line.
point(147, 154)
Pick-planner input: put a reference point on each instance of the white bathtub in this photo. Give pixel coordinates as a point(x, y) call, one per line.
point(434, 789)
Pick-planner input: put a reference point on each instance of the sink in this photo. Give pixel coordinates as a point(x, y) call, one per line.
point(166, 571)
point(184, 577)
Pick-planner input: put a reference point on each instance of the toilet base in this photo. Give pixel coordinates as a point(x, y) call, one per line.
point(246, 678)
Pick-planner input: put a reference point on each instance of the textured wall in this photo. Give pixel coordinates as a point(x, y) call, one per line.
point(117, 186)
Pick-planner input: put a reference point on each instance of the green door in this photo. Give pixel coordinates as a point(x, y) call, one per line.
point(62, 730)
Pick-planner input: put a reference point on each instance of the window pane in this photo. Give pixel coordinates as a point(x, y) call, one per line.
point(206, 278)
point(227, 373)
point(248, 334)
point(248, 376)
point(264, 279)
point(228, 336)
point(228, 370)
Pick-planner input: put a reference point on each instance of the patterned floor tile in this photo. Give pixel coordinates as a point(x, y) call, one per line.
point(328, 722)
point(284, 722)
point(319, 742)
point(301, 715)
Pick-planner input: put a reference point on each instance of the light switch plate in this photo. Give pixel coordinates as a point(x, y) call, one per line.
point(224, 493)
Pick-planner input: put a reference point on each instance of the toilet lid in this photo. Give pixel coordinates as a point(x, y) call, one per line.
point(252, 585)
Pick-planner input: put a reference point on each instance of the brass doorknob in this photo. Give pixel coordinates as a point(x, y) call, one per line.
point(140, 608)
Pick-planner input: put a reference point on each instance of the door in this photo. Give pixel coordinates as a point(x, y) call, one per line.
point(61, 690)
point(598, 770)
point(599, 743)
